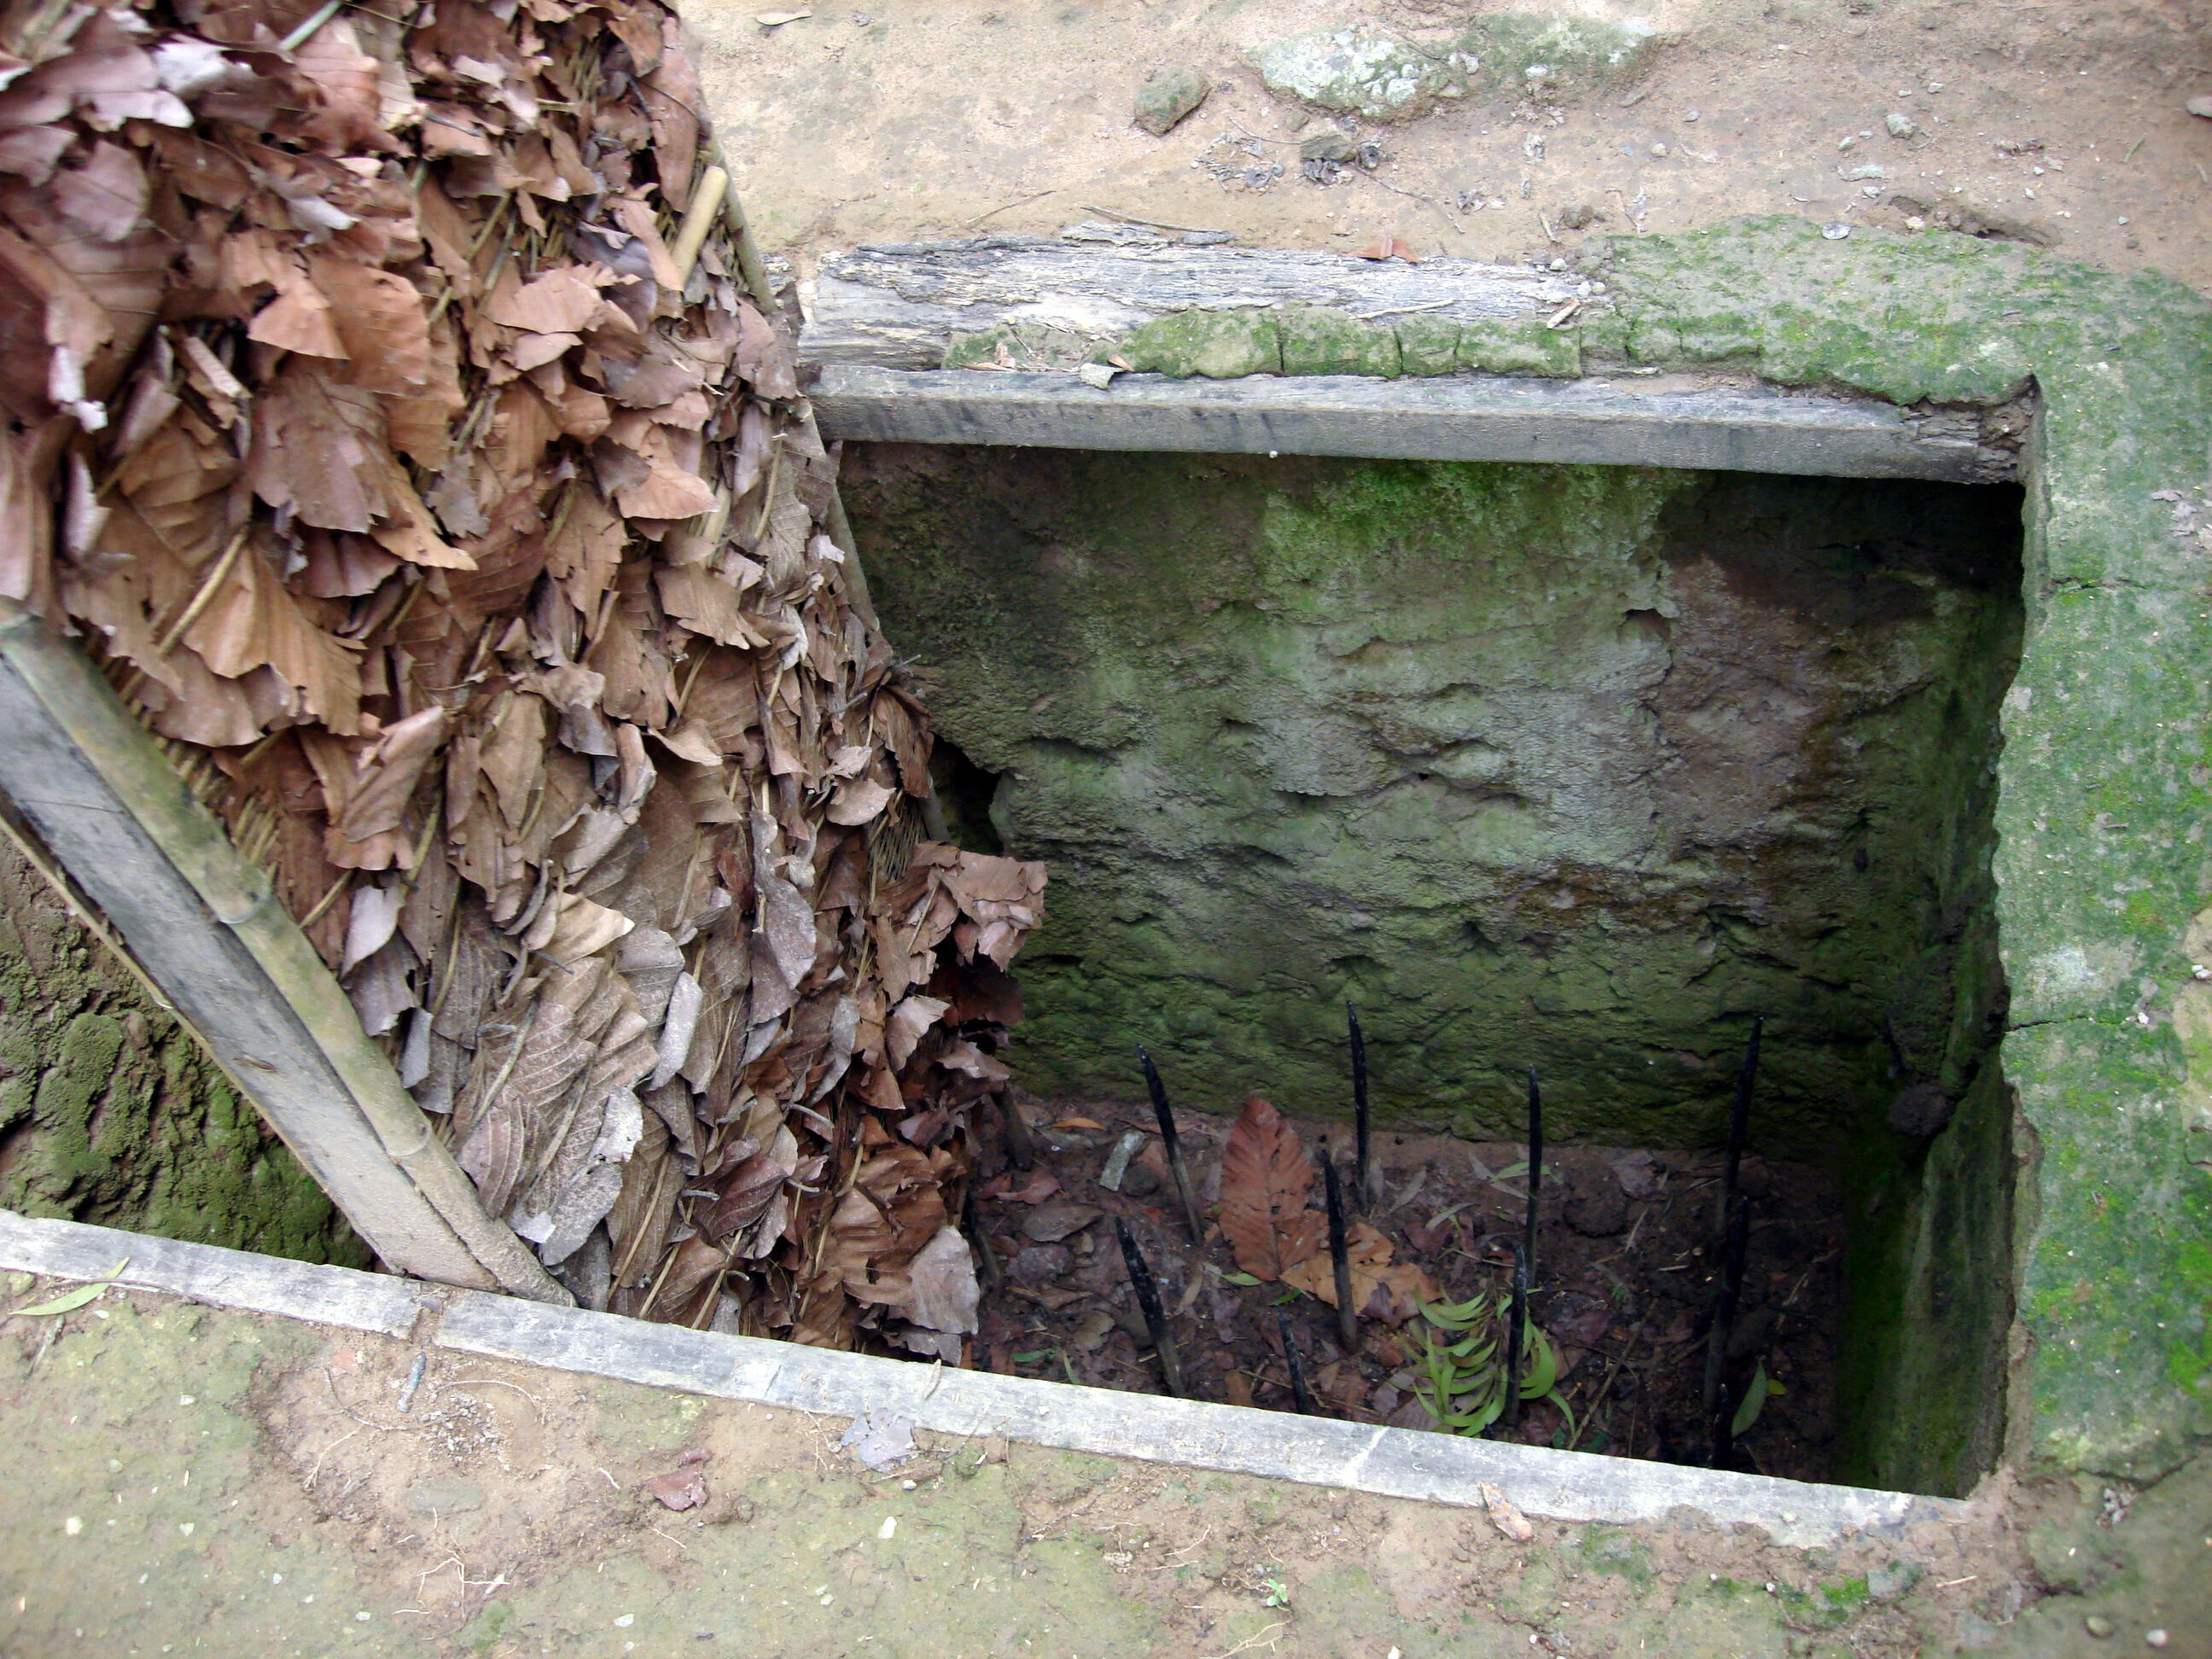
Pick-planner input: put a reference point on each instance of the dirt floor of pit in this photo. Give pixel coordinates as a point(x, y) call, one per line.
point(2062, 124)
point(1626, 1282)
point(182, 1480)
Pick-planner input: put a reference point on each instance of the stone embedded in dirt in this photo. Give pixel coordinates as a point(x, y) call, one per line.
point(1168, 97)
point(879, 1441)
point(1093, 1330)
point(685, 1489)
point(1753, 1332)
point(449, 1495)
point(1040, 1264)
point(2098, 1625)
point(2200, 106)
point(1893, 1579)
point(1048, 1223)
point(1357, 71)
point(1326, 145)
point(1598, 1209)
point(1901, 126)
point(1638, 1174)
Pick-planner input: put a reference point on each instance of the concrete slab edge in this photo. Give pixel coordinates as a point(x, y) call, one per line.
point(1462, 418)
point(224, 1279)
point(1192, 1434)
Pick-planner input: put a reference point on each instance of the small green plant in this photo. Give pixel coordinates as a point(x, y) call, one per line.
point(1460, 1370)
point(1278, 1592)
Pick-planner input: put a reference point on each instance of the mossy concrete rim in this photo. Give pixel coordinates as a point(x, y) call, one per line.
point(2105, 893)
point(2105, 783)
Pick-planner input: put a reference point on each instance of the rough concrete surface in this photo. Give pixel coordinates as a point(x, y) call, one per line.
point(185, 1480)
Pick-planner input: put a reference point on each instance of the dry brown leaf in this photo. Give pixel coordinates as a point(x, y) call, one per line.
point(298, 319)
point(382, 324)
point(1265, 1176)
point(563, 301)
point(1380, 1289)
point(251, 620)
point(1505, 1515)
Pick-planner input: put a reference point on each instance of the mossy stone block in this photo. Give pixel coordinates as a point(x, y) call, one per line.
point(1213, 345)
point(1316, 340)
point(1428, 345)
point(1168, 97)
point(1523, 346)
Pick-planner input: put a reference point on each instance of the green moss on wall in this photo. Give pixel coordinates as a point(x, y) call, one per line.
point(1459, 742)
point(2107, 785)
point(110, 1113)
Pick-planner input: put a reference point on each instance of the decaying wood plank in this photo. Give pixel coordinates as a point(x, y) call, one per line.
point(204, 926)
point(898, 305)
point(1677, 423)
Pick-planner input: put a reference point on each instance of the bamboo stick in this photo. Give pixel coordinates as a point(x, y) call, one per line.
point(1148, 1301)
point(699, 218)
point(82, 722)
point(1731, 1249)
point(1301, 1394)
point(1367, 1186)
point(1173, 1145)
point(1339, 1258)
point(1516, 1319)
point(1535, 1172)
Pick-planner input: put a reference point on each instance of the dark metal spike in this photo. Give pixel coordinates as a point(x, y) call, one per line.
point(1148, 1304)
point(1172, 1143)
point(1517, 1317)
point(1367, 1180)
point(1300, 1395)
point(1347, 1317)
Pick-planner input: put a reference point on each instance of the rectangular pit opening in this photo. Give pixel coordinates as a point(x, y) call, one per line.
point(1575, 766)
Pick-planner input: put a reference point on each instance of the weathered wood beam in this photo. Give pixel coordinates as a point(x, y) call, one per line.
point(879, 320)
point(1680, 422)
point(899, 305)
point(204, 928)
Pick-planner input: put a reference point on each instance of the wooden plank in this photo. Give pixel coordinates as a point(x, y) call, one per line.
point(1682, 423)
point(897, 306)
point(205, 1273)
point(203, 927)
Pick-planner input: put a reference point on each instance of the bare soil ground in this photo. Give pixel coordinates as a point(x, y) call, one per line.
point(1626, 1282)
point(2062, 124)
point(190, 1480)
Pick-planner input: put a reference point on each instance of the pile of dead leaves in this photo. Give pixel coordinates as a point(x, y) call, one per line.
point(1267, 1181)
point(457, 517)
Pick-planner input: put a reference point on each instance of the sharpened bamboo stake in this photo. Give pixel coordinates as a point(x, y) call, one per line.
point(1535, 1172)
point(1148, 1301)
point(1173, 1144)
point(1300, 1395)
point(1367, 1180)
point(1732, 1234)
point(1339, 1258)
point(1516, 1319)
